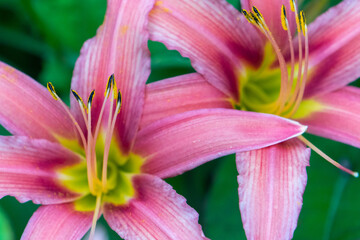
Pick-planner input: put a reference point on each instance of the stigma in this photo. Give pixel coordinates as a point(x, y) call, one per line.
point(292, 83)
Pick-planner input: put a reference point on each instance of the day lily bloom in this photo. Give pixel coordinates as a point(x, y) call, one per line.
point(265, 59)
point(91, 160)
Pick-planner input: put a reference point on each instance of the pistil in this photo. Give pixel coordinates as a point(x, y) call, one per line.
point(326, 157)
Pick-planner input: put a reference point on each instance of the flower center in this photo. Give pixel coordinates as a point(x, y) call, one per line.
point(279, 88)
point(276, 88)
point(106, 174)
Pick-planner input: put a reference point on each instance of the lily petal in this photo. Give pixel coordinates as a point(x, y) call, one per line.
point(119, 48)
point(271, 11)
point(212, 33)
point(28, 167)
point(56, 222)
point(180, 94)
point(335, 115)
point(157, 212)
point(182, 142)
point(272, 181)
point(28, 109)
point(334, 44)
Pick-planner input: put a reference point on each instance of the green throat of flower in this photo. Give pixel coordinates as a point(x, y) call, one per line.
point(105, 175)
point(276, 88)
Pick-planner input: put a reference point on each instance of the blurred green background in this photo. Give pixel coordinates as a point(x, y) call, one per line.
point(43, 38)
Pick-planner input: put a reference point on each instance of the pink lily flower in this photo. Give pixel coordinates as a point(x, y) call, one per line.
point(91, 160)
point(253, 62)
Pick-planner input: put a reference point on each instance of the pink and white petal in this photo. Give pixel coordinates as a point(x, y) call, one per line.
point(334, 115)
point(212, 33)
point(157, 212)
point(182, 142)
point(57, 222)
point(119, 48)
point(28, 170)
point(28, 109)
point(180, 94)
point(271, 11)
point(272, 181)
point(334, 44)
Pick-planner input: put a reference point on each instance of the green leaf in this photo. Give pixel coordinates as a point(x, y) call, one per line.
point(6, 232)
point(166, 63)
point(67, 23)
point(331, 199)
point(222, 214)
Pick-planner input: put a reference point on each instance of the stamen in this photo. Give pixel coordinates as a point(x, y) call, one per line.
point(306, 66)
point(91, 156)
point(284, 22)
point(108, 85)
point(106, 94)
point(302, 21)
point(79, 99)
point(112, 126)
point(51, 89)
point(248, 16)
point(95, 217)
point(292, 5)
point(326, 157)
point(118, 102)
point(90, 99)
point(259, 15)
point(108, 138)
point(260, 22)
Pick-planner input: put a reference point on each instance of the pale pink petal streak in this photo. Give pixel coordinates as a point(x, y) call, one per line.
point(338, 118)
point(57, 222)
point(180, 94)
point(27, 170)
point(271, 184)
point(28, 109)
point(334, 44)
point(120, 47)
point(182, 142)
point(212, 33)
point(157, 212)
point(271, 11)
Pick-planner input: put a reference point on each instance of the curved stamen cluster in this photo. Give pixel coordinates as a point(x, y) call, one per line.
point(97, 187)
point(291, 89)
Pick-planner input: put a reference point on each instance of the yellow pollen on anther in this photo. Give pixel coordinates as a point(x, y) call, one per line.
point(292, 5)
point(108, 85)
point(302, 21)
point(258, 14)
point(283, 18)
point(118, 102)
point(79, 99)
point(90, 99)
point(51, 89)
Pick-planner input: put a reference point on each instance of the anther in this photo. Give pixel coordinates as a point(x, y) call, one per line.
point(90, 99)
point(302, 21)
point(284, 22)
point(78, 98)
point(51, 89)
point(292, 5)
point(248, 16)
point(259, 15)
point(108, 85)
point(118, 102)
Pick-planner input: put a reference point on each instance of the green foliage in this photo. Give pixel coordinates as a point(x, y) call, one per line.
point(5, 228)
